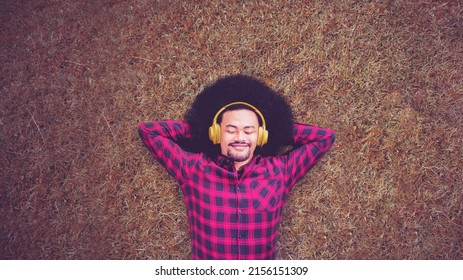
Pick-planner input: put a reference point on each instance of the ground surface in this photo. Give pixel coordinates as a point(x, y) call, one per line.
point(77, 77)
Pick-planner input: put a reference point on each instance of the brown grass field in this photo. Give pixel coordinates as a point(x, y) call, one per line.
point(77, 77)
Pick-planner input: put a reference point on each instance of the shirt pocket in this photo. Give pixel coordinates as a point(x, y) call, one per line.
point(266, 195)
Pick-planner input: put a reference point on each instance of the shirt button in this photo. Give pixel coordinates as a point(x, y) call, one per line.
point(240, 211)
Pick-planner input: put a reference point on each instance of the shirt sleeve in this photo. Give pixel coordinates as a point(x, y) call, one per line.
point(161, 140)
point(311, 143)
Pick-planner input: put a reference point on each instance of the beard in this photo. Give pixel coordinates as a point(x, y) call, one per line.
point(238, 156)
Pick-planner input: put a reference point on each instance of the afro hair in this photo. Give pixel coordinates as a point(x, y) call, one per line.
point(276, 111)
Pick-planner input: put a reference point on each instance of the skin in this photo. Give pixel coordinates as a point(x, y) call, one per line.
point(238, 138)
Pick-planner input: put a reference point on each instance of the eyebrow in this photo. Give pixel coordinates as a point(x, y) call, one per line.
point(234, 126)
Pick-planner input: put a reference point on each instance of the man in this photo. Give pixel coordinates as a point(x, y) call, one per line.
point(235, 190)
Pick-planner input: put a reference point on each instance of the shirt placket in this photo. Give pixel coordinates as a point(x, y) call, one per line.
point(239, 189)
point(243, 201)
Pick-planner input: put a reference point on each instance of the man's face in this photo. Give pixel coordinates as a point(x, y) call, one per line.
point(238, 137)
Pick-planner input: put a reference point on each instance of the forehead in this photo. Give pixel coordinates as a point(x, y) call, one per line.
point(242, 117)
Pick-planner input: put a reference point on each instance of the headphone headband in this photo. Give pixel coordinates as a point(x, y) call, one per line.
point(242, 103)
point(214, 129)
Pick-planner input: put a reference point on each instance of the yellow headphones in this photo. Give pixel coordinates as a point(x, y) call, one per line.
point(214, 129)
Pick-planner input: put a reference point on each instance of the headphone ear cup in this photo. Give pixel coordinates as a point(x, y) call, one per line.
point(262, 137)
point(217, 133)
point(211, 133)
point(214, 133)
point(259, 136)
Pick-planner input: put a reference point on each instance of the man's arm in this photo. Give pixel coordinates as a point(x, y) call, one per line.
point(161, 140)
point(311, 143)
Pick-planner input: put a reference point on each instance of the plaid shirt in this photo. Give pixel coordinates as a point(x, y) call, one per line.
point(234, 215)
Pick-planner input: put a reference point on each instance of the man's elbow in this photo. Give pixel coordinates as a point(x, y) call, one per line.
point(332, 137)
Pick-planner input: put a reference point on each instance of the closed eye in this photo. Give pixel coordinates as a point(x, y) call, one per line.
point(249, 130)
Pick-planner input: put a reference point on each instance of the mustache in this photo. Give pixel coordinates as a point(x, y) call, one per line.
point(239, 143)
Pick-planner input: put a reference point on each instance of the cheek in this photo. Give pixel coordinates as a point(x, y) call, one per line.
point(224, 138)
point(223, 148)
point(253, 140)
point(224, 141)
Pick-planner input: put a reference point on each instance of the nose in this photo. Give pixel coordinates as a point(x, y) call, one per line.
point(239, 136)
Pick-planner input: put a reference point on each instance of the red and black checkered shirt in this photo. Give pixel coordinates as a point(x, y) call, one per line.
point(234, 215)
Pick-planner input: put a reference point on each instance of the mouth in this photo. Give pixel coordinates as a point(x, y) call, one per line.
point(239, 146)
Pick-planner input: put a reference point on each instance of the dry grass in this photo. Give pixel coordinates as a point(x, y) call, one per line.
point(78, 76)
